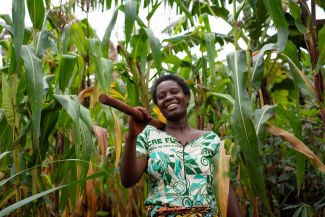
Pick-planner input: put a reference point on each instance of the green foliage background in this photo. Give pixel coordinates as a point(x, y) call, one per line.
point(60, 148)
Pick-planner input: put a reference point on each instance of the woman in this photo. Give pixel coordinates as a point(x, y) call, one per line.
point(177, 158)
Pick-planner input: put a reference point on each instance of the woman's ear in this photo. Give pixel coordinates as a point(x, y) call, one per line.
point(187, 100)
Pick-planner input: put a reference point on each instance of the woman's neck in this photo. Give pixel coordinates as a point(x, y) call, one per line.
point(179, 125)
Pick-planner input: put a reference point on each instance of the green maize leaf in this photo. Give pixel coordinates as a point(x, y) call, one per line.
point(153, 10)
point(260, 15)
point(86, 146)
point(205, 19)
point(258, 65)
point(6, 135)
point(77, 139)
point(172, 59)
point(73, 190)
point(133, 92)
point(18, 15)
point(66, 69)
point(107, 36)
point(65, 191)
point(261, 116)
point(244, 131)
point(130, 12)
point(9, 209)
point(23, 134)
point(294, 122)
point(83, 145)
point(104, 67)
point(85, 116)
point(105, 70)
point(209, 39)
point(13, 62)
point(8, 28)
point(94, 47)
point(140, 22)
point(303, 81)
point(36, 11)
point(4, 181)
point(21, 91)
point(9, 94)
point(300, 169)
point(274, 9)
point(65, 38)
point(226, 97)
point(239, 9)
point(87, 28)
point(141, 49)
point(291, 51)
point(173, 25)
point(184, 9)
point(295, 9)
point(44, 41)
point(7, 19)
point(11, 192)
point(204, 71)
point(49, 120)
point(295, 65)
point(78, 38)
point(321, 48)
point(71, 105)
point(155, 48)
point(2, 155)
point(5, 46)
point(178, 38)
point(78, 76)
point(296, 14)
point(34, 85)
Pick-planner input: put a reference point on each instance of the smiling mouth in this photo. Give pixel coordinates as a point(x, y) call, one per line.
point(171, 106)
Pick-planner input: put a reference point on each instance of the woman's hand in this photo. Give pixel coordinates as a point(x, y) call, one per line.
point(136, 125)
point(132, 168)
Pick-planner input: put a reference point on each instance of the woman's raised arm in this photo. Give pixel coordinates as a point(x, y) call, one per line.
point(132, 168)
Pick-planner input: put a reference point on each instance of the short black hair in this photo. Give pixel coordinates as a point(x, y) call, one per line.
point(180, 81)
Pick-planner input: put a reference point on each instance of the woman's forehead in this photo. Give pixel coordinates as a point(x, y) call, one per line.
point(167, 85)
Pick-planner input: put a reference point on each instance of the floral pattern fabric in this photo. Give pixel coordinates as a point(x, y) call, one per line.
point(179, 175)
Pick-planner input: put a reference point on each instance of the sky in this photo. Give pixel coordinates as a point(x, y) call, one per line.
point(162, 18)
point(99, 21)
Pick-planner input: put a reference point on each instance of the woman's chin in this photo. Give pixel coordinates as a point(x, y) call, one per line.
point(174, 116)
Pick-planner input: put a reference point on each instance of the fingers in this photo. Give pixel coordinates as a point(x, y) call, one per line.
point(146, 117)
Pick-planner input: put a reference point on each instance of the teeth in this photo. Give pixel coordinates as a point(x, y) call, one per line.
point(171, 106)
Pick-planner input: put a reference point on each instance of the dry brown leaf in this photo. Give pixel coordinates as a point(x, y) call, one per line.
point(118, 140)
point(223, 179)
point(85, 93)
point(297, 145)
point(101, 135)
point(66, 212)
point(96, 93)
point(78, 207)
point(91, 195)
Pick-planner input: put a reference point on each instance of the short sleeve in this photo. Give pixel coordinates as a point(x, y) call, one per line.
point(216, 144)
point(141, 144)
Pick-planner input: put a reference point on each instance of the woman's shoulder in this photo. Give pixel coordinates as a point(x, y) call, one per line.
point(149, 130)
point(203, 132)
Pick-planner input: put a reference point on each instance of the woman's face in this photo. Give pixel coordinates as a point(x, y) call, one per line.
point(171, 100)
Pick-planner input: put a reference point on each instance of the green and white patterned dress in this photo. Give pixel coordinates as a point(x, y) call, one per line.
point(179, 175)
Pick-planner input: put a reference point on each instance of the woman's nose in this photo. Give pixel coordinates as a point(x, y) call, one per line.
point(168, 97)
